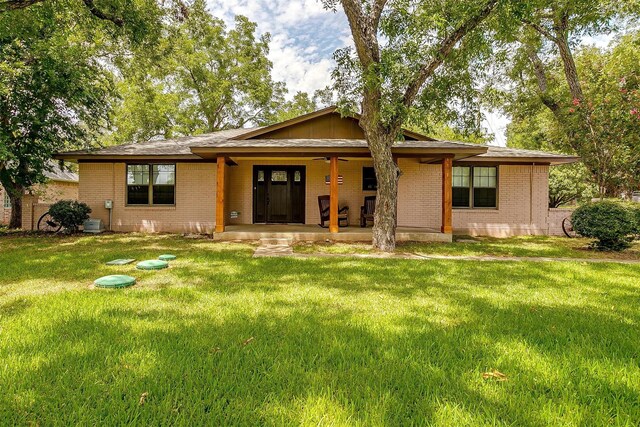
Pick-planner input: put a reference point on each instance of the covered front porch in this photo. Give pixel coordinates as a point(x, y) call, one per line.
point(243, 183)
point(315, 233)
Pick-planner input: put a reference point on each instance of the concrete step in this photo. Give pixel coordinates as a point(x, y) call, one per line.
point(276, 241)
point(273, 251)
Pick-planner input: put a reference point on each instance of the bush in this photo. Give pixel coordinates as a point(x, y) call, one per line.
point(70, 213)
point(612, 224)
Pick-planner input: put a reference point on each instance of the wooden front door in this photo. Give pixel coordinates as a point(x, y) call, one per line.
point(278, 194)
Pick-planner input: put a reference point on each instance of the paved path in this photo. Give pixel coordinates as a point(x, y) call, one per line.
point(273, 248)
point(286, 250)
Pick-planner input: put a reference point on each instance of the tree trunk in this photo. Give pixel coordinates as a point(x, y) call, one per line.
point(570, 70)
point(385, 217)
point(16, 209)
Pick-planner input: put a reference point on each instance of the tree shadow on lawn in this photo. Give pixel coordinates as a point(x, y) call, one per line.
point(313, 361)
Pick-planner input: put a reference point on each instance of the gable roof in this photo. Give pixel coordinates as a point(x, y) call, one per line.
point(309, 117)
point(60, 175)
point(330, 134)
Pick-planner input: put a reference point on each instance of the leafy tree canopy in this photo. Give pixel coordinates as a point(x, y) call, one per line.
point(54, 91)
point(203, 77)
point(610, 82)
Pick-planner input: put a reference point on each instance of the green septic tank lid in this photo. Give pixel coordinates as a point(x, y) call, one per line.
point(152, 264)
point(167, 257)
point(115, 281)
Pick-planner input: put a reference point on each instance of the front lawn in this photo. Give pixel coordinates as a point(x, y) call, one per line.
point(221, 338)
point(522, 246)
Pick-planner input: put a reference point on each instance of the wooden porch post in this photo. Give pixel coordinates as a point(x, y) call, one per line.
point(447, 194)
point(220, 220)
point(333, 200)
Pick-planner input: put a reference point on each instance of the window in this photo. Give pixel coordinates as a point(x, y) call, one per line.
point(369, 181)
point(7, 201)
point(151, 184)
point(475, 187)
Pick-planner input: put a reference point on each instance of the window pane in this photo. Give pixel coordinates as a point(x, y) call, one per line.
point(164, 174)
point(138, 174)
point(137, 194)
point(484, 177)
point(369, 181)
point(484, 198)
point(278, 176)
point(461, 176)
point(163, 194)
point(7, 201)
point(461, 197)
point(297, 176)
point(260, 176)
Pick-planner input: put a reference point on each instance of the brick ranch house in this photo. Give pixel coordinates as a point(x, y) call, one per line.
point(252, 183)
point(61, 185)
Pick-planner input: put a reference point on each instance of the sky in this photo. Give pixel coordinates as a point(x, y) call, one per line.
point(304, 36)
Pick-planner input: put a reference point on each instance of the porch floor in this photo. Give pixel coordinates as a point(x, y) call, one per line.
point(315, 233)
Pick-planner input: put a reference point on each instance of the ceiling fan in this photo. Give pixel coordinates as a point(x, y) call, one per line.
point(328, 159)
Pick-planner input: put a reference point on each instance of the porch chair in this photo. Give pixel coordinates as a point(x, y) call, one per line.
point(367, 211)
point(324, 206)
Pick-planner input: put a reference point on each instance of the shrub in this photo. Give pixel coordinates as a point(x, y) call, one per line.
point(70, 213)
point(612, 224)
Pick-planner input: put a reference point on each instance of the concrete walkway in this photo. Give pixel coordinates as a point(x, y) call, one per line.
point(271, 250)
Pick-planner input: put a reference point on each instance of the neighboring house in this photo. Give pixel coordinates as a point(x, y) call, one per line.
point(231, 181)
point(61, 185)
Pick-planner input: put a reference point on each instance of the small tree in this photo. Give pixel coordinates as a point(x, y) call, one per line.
point(569, 183)
point(71, 214)
point(612, 224)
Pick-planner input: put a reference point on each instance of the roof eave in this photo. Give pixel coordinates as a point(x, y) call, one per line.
point(72, 157)
point(550, 160)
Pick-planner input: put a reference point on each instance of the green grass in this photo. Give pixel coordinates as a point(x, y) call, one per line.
point(221, 338)
point(524, 246)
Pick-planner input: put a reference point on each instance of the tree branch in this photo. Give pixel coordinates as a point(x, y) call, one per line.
point(543, 85)
point(9, 5)
point(540, 29)
point(364, 31)
point(446, 46)
point(102, 15)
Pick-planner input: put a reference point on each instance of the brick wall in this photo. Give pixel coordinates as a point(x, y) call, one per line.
point(522, 205)
point(556, 215)
point(38, 200)
point(522, 197)
point(522, 201)
point(194, 211)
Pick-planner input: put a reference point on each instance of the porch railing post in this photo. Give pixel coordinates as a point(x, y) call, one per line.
point(447, 195)
point(333, 200)
point(220, 219)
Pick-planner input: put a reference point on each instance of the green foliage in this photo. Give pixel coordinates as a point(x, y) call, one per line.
point(55, 93)
point(203, 77)
point(302, 103)
point(612, 224)
point(569, 183)
point(71, 214)
point(610, 80)
point(410, 34)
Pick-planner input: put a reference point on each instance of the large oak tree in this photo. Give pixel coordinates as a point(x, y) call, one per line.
point(409, 56)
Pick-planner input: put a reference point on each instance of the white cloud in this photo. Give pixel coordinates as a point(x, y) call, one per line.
point(304, 36)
